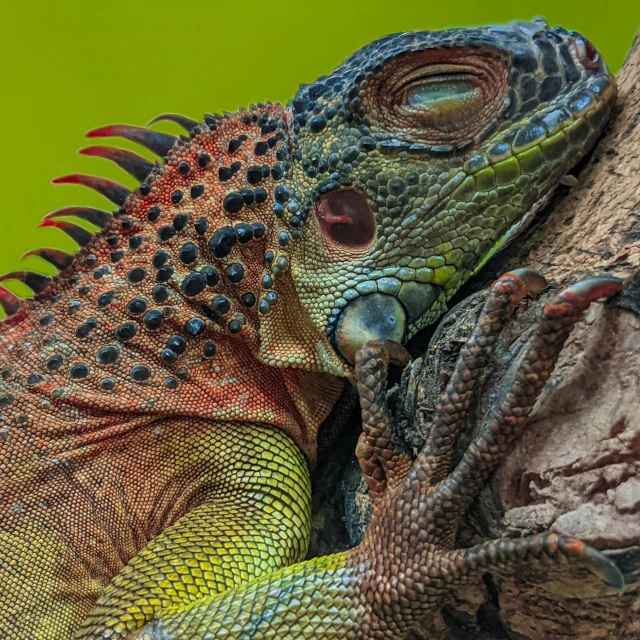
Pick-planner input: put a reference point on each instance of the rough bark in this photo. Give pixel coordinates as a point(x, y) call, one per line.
point(576, 470)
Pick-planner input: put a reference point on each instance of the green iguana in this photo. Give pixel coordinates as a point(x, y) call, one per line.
point(160, 398)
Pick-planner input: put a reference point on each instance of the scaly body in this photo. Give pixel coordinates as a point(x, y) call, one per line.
point(161, 397)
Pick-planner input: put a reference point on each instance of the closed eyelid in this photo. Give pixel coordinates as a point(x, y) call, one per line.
point(439, 95)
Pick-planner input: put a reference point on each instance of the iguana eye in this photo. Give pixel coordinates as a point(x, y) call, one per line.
point(346, 219)
point(440, 100)
point(441, 93)
point(441, 96)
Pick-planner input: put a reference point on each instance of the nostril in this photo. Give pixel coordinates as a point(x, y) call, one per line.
point(346, 218)
point(585, 53)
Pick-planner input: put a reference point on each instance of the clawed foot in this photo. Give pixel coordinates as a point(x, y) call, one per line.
point(418, 504)
point(381, 456)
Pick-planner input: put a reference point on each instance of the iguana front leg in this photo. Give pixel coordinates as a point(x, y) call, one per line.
point(393, 581)
point(251, 517)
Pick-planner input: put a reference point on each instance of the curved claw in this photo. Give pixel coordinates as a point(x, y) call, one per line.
point(537, 548)
point(396, 353)
point(534, 281)
point(586, 291)
point(603, 568)
point(386, 351)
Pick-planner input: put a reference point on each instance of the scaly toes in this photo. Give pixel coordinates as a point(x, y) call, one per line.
point(374, 474)
point(449, 417)
point(396, 353)
point(379, 455)
point(542, 548)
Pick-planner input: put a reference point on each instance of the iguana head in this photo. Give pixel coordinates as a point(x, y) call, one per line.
point(418, 157)
point(289, 236)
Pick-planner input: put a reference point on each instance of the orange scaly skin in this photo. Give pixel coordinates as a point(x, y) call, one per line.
point(232, 384)
point(67, 443)
point(161, 397)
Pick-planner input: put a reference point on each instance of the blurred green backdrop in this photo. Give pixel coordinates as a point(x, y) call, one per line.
point(69, 66)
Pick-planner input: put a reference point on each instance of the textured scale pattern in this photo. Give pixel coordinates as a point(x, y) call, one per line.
point(392, 582)
point(226, 541)
point(160, 398)
point(230, 537)
point(442, 203)
point(152, 318)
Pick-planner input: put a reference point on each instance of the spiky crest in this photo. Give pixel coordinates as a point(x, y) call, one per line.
point(170, 296)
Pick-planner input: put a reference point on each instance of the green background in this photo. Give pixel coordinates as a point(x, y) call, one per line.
point(67, 67)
